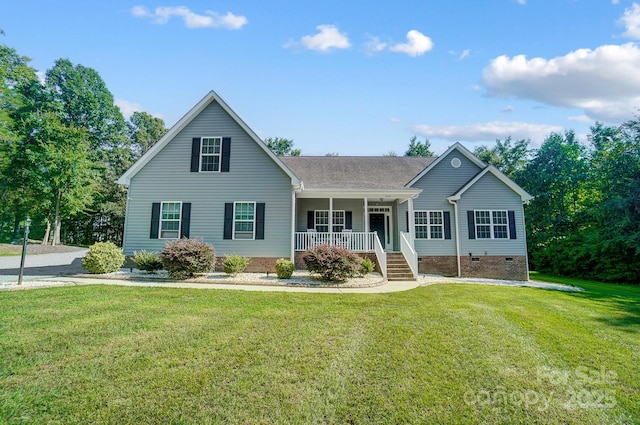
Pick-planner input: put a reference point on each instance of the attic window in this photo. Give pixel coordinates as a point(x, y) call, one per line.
point(456, 163)
point(210, 153)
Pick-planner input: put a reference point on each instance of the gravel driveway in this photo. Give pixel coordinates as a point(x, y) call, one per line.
point(54, 264)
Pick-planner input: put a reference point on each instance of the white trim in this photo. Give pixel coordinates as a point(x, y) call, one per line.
point(491, 224)
point(233, 225)
point(179, 219)
point(219, 155)
point(429, 224)
point(504, 179)
point(210, 97)
point(464, 151)
point(387, 211)
point(330, 221)
point(455, 212)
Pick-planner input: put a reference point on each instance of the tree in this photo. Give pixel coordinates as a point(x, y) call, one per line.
point(509, 158)
point(332, 154)
point(281, 146)
point(143, 130)
point(417, 148)
point(15, 73)
point(390, 153)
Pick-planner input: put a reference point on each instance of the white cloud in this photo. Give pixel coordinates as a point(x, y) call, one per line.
point(416, 45)
point(615, 1)
point(374, 45)
point(488, 132)
point(580, 118)
point(521, 1)
point(128, 108)
point(394, 120)
point(464, 54)
point(507, 110)
point(162, 15)
point(631, 21)
point(326, 39)
point(604, 83)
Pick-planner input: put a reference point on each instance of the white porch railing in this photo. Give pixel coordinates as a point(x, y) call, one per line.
point(380, 255)
point(354, 241)
point(409, 253)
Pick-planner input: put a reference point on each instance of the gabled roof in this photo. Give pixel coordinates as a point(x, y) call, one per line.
point(493, 170)
point(211, 97)
point(356, 172)
point(464, 151)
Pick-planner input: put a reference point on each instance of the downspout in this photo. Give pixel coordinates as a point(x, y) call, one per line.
point(293, 225)
point(455, 214)
point(526, 249)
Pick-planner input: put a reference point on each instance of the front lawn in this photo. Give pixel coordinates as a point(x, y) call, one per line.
point(438, 354)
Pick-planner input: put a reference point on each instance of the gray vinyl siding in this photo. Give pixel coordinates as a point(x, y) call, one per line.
point(252, 176)
point(356, 206)
point(489, 193)
point(437, 185)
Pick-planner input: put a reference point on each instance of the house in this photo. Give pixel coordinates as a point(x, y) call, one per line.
point(212, 177)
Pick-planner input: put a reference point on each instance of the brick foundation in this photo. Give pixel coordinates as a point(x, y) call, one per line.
point(443, 265)
point(257, 264)
point(495, 267)
point(370, 255)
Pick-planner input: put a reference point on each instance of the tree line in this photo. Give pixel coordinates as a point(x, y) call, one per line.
point(64, 142)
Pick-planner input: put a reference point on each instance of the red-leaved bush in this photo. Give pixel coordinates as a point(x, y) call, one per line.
point(332, 263)
point(183, 258)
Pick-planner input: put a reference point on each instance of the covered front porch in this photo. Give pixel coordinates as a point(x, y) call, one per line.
point(367, 223)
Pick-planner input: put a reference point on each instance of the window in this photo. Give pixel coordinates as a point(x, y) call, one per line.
point(429, 224)
point(210, 153)
point(170, 220)
point(322, 221)
point(491, 225)
point(244, 220)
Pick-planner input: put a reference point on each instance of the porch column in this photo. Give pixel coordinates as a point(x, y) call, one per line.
point(330, 221)
point(412, 221)
point(366, 223)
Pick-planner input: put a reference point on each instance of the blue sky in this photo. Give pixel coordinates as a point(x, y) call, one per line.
point(354, 77)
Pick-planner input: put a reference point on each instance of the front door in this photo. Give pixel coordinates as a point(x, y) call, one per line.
point(376, 224)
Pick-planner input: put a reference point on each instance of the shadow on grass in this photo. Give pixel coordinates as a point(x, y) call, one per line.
point(57, 270)
point(620, 302)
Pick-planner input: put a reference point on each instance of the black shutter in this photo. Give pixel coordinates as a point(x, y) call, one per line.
point(226, 154)
point(195, 154)
point(471, 221)
point(311, 220)
point(260, 220)
point(186, 220)
point(446, 216)
point(155, 220)
point(512, 224)
point(408, 226)
point(228, 220)
point(348, 220)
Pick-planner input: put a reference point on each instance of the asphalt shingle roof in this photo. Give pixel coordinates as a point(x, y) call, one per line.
point(356, 172)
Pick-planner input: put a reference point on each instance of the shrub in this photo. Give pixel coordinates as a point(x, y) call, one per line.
point(103, 257)
point(147, 261)
point(284, 268)
point(332, 263)
point(183, 258)
point(234, 264)
point(367, 266)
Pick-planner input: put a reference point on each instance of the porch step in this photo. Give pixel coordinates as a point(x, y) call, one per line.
point(397, 267)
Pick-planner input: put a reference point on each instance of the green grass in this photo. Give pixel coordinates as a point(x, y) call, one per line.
point(438, 354)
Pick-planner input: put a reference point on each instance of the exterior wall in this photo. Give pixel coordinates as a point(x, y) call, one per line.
point(252, 176)
point(356, 206)
point(437, 185)
point(299, 263)
point(489, 193)
point(257, 264)
point(438, 264)
point(495, 267)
